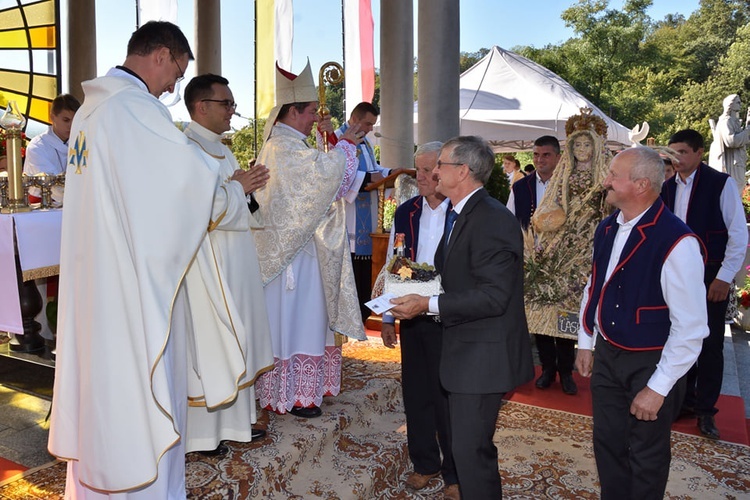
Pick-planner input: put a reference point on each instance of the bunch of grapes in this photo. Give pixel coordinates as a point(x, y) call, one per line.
point(423, 274)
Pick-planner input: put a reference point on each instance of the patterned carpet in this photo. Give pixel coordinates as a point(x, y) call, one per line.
point(357, 450)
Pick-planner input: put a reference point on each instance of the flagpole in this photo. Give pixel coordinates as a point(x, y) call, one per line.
point(255, 83)
point(343, 55)
point(137, 15)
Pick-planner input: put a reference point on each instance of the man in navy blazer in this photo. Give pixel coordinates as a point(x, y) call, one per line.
point(486, 347)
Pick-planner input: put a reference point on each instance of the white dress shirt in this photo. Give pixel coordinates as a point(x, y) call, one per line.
point(685, 294)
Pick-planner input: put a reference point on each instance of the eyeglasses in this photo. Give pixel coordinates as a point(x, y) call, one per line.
point(224, 102)
point(182, 71)
point(441, 163)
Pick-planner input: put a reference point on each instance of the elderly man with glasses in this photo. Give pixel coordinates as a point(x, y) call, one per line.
point(486, 350)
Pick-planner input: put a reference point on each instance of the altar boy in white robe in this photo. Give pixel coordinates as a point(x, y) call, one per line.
point(304, 252)
point(139, 198)
point(239, 306)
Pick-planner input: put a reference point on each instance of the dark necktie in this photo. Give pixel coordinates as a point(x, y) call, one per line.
point(450, 219)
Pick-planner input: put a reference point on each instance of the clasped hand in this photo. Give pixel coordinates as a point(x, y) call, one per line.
point(253, 179)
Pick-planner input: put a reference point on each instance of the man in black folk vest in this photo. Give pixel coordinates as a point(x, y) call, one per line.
point(643, 310)
point(422, 220)
point(708, 202)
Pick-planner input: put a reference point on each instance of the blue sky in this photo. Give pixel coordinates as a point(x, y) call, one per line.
point(317, 33)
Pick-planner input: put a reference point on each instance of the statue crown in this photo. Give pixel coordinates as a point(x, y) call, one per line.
point(586, 121)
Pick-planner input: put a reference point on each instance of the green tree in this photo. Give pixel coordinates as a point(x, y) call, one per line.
point(497, 185)
point(245, 142)
point(335, 101)
point(469, 59)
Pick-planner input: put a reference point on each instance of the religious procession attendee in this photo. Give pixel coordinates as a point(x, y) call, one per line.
point(138, 205)
point(239, 304)
point(643, 307)
point(512, 168)
point(486, 348)
point(728, 152)
point(48, 152)
point(561, 231)
point(422, 220)
point(361, 205)
point(304, 251)
point(556, 354)
point(709, 203)
point(526, 194)
point(528, 168)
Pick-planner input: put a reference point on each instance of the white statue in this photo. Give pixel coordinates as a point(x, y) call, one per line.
point(728, 150)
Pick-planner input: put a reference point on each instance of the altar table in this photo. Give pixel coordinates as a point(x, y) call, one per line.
point(35, 237)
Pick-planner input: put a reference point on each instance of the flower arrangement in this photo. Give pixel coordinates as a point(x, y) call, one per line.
point(389, 211)
point(743, 294)
point(746, 202)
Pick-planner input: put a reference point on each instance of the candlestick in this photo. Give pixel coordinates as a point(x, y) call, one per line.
point(13, 122)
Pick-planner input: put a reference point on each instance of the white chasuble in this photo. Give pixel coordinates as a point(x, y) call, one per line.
point(137, 206)
point(228, 310)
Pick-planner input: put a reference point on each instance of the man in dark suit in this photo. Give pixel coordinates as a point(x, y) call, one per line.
point(486, 348)
point(556, 354)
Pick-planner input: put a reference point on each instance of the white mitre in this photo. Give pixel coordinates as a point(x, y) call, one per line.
point(291, 88)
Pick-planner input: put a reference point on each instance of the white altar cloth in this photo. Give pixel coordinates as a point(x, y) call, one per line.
point(37, 236)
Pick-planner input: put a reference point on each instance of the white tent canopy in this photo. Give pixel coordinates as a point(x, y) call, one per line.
point(511, 101)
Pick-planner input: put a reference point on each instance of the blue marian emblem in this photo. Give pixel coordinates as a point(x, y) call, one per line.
point(79, 153)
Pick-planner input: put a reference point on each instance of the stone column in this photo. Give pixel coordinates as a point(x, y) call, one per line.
point(438, 56)
point(397, 83)
point(207, 37)
point(81, 45)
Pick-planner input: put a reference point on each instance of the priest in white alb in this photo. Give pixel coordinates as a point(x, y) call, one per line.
point(235, 304)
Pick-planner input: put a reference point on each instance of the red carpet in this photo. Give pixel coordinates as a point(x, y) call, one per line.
point(730, 420)
point(9, 469)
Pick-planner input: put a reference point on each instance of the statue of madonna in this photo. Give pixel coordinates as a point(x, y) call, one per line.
point(559, 240)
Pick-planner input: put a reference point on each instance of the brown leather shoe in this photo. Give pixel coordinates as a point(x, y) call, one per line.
point(416, 481)
point(451, 492)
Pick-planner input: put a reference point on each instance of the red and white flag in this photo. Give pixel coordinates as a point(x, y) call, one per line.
point(359, 54)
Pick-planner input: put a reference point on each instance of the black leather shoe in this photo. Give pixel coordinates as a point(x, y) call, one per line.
point(258, 434)
point(220, 451)
point(545, 379)
point(568, 384)
point(707, 426)
point(306, 412)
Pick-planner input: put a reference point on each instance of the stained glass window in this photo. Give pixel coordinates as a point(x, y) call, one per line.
point(30, 56)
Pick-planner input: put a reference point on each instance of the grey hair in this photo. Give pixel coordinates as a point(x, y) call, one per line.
point(428, 147)
point(647, 164)
point(474, 152)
